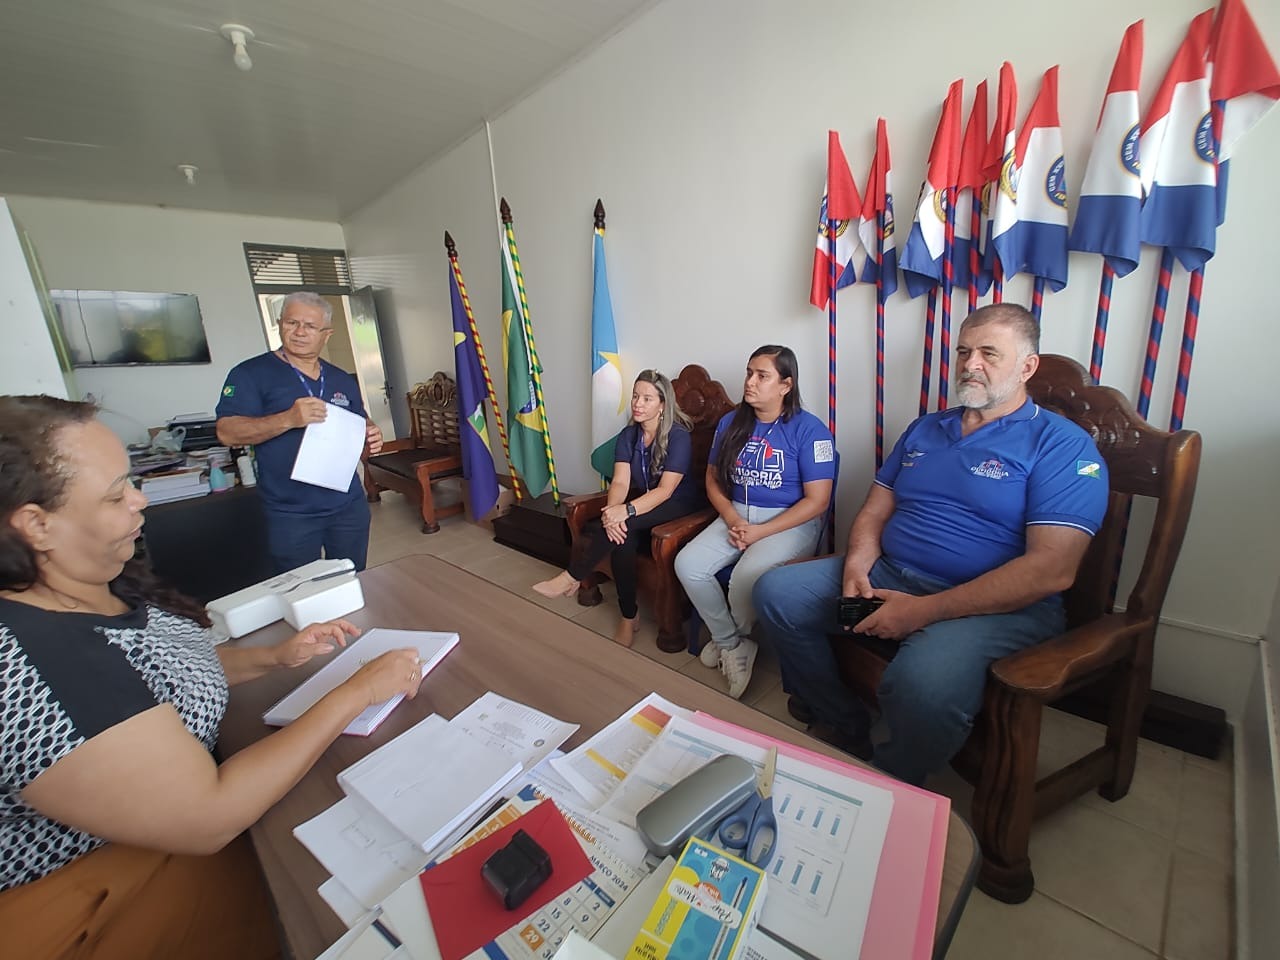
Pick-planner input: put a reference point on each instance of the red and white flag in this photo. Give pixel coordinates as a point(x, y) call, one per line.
point(839, 203)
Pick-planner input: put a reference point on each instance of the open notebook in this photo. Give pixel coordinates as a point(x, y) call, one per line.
point(431, 647)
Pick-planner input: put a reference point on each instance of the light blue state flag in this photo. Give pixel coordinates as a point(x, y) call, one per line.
point(473, 428)
point(606, 370)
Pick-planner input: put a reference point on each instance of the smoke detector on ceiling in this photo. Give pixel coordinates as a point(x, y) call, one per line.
point(189, 170)
point(239, 35)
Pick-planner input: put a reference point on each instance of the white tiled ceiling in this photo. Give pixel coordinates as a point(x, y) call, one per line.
point(102, 99)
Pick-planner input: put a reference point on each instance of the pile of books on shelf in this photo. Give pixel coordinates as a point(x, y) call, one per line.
point(177, 483)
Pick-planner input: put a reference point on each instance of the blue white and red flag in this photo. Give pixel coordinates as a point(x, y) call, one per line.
point(839, 203)
point(1244, 82)
point(1111, 194)
point(1042, 190)
point(878, 198)
point(970, 182)
point(1001, 174)
point(1176, 147)
point(922, 256)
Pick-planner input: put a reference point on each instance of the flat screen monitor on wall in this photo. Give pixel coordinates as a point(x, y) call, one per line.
point(106, 328)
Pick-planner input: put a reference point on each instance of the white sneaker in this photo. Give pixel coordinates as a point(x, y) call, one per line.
point(710, 654)
point(736, 666)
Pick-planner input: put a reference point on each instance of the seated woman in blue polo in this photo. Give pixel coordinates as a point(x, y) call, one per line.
point(651, 485)
point(769, 476)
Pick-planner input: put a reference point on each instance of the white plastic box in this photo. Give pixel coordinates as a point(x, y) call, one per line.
point(314, 592)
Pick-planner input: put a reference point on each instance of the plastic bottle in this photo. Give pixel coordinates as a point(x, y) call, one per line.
point(219, 481)
point(244, 463)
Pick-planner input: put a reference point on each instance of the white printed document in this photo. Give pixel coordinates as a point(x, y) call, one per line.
point(521, 732)
point(600, 765)
point(330, 450)
point(368, 856)
point(431, 648)
point(831, 831)
point(430, 780)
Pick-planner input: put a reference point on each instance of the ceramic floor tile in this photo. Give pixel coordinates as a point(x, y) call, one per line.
point(1063, 738)
point(1107, 869)
point(1199, 921)
point(761, 680)
point(773, 703)
point(1152, 800)
point(1040, 929)
point(1205, 816)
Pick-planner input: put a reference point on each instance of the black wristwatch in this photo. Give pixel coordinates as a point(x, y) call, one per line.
point(631, 510)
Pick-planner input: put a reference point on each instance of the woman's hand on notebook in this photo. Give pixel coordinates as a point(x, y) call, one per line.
point(315, 641)
point(395, 672)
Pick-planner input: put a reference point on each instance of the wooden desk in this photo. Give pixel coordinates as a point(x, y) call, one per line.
point(519, 650)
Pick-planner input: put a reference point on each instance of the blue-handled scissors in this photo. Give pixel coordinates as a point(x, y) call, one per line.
point(752, 828)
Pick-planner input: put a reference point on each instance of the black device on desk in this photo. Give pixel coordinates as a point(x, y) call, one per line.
point(200, 433)
point(517, 869)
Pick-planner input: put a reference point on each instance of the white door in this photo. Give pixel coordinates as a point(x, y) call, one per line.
point(366, 346)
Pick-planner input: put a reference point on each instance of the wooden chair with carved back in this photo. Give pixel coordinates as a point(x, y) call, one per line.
point(432, 453)
point(704, 401)
point(1104, 648)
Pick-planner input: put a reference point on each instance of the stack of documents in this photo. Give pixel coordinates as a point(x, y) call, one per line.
point(431, 647)
point(430, 780)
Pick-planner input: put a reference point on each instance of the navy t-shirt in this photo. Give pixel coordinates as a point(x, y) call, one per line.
point(629, 448)
point(778, 459)
point(962, 503)
point(267, 384)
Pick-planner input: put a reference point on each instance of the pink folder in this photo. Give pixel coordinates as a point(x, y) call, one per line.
point(904, 905)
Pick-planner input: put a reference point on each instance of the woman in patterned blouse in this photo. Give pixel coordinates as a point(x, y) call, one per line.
point(120, 835)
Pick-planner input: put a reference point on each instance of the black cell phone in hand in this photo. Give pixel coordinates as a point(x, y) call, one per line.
point(853, 610)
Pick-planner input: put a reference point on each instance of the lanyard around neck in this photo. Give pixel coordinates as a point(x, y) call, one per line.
point(302, 379)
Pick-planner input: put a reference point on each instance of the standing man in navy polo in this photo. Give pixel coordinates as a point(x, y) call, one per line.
point(974, 525)
point(267, 401)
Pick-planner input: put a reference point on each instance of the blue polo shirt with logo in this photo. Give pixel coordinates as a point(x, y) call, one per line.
point(267, 384)
point(962, 504)
point(778, 459)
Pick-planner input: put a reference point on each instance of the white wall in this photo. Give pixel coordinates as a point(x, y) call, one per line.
point(703, 127)
point(106, 246)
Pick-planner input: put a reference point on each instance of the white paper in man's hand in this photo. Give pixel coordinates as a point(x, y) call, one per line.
point(330, 450)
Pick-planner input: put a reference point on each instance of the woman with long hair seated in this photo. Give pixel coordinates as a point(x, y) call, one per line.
point(651, 485)
point(120, 835)
point(769, 477)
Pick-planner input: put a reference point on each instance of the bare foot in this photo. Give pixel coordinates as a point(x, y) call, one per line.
point(625, 632)
point(561, 585)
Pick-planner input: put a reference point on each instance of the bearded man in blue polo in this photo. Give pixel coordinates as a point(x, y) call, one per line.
point(976, 522)
point(267, 401)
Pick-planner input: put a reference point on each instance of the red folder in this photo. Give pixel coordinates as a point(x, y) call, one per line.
point(466, 913)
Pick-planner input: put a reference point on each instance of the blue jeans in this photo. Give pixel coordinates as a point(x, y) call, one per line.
point(296, 538)
point(932, 689)
point(731, 617)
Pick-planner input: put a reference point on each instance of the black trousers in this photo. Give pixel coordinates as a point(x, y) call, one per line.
point(622, 556)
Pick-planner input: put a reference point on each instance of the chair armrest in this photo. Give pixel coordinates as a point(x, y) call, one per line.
point(395, 446)
point(428, 468)
point(674, 534)
point(579, 508)
point(1043, 671)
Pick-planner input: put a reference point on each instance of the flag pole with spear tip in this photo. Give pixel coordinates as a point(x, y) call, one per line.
point(452, 249)
point(534, 363)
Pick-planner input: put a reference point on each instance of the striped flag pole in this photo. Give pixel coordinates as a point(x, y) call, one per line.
point(1037, 298)
point(831, 328)
point(879, 339)
point(948, 284)
point(452, 249)
point(1100, 322)
point(997, 282)
point(1157, 331)
point(975, 261)
point(1189, 325)
point(535, 363)
point(926, 371)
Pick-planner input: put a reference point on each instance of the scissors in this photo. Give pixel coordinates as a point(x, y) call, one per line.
point(752, 828)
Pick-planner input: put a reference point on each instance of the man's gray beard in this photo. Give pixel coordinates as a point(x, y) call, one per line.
point(965, 393)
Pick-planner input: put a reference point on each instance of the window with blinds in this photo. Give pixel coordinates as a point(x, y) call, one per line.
point(275, 269)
